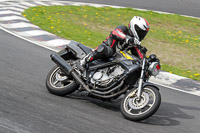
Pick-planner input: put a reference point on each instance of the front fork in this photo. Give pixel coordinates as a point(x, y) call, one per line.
point(141, 79)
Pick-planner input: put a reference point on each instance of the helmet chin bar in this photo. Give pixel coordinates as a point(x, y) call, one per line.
point(135, 35)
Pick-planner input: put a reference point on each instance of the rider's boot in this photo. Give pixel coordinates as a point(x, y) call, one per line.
point(85, 60)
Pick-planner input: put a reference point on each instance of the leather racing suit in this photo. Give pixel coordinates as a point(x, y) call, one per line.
point(110, 45)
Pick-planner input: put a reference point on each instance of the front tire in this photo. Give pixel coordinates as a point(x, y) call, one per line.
point(59, 83)
point(137, 110)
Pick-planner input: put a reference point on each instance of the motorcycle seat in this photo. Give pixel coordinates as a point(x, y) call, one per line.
point(101, 61)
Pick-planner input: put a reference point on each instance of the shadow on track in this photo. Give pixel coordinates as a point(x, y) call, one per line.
point(169, 114)
point(113, 105)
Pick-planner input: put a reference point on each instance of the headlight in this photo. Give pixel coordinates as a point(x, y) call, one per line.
point(154, 68)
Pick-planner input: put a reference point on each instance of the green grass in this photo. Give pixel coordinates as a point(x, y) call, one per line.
point(181, 72)
point(173, 38)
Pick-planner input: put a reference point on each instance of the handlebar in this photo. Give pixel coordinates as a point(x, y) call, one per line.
point(130, 45)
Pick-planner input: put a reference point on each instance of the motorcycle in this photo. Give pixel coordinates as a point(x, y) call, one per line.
point(123, 75)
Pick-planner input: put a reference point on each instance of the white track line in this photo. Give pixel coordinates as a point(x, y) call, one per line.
point(57, 3)
point(1, 5)
point(57, 42)
point(28, 4)
point(113, 6)
point(196, 93)
point(9, 18)
point(170, 78)
point(13, 8)
point(21, 6)
point(94, 5)
point(17, 9)
point(19, 25)
point(40, 3)
point(14, 34)
point(34, 33)
point(9, 12)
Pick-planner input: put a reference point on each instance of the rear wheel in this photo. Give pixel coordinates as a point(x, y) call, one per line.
point(137, 110)
point(58, 83)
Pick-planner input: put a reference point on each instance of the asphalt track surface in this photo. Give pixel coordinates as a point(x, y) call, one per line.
point(27, 107)
point(184, 7)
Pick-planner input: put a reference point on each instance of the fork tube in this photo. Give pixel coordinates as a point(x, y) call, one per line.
point(141, 79)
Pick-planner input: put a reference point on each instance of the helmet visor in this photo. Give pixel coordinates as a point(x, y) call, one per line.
point(140, 32)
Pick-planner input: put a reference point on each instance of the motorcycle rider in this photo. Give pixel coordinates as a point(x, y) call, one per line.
point(134, 33)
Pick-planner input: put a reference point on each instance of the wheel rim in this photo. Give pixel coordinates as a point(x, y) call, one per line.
point(59, 80)
point(134, 107)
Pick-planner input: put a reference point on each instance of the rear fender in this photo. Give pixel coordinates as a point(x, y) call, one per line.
point(67, 54)
point(72, 50)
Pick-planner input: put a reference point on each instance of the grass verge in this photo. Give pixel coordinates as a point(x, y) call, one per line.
point(173, 38)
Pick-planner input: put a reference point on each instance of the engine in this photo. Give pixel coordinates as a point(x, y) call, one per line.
point(106, 76)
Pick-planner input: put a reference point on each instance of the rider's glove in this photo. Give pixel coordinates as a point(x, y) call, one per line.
point(132, 40)
point(128, 39)
point(136, 41)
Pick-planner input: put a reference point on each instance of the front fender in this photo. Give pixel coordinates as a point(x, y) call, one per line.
point(150, 84)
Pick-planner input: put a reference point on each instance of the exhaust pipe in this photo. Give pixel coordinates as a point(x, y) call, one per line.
point(61, 63)
point(67, 69)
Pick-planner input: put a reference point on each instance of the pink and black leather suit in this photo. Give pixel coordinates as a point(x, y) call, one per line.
point(109, 46)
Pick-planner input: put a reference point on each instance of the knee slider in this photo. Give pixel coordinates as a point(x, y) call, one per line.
point(101, 49)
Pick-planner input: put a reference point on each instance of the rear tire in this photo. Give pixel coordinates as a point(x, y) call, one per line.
point(59, 83)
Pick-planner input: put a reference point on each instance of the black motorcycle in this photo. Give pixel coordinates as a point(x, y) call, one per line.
point(124, 74)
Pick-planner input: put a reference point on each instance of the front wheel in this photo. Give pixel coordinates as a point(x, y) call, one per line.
point(136, 110)
point(58, 83)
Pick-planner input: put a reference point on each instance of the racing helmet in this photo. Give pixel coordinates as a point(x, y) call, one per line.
point(138, 27)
